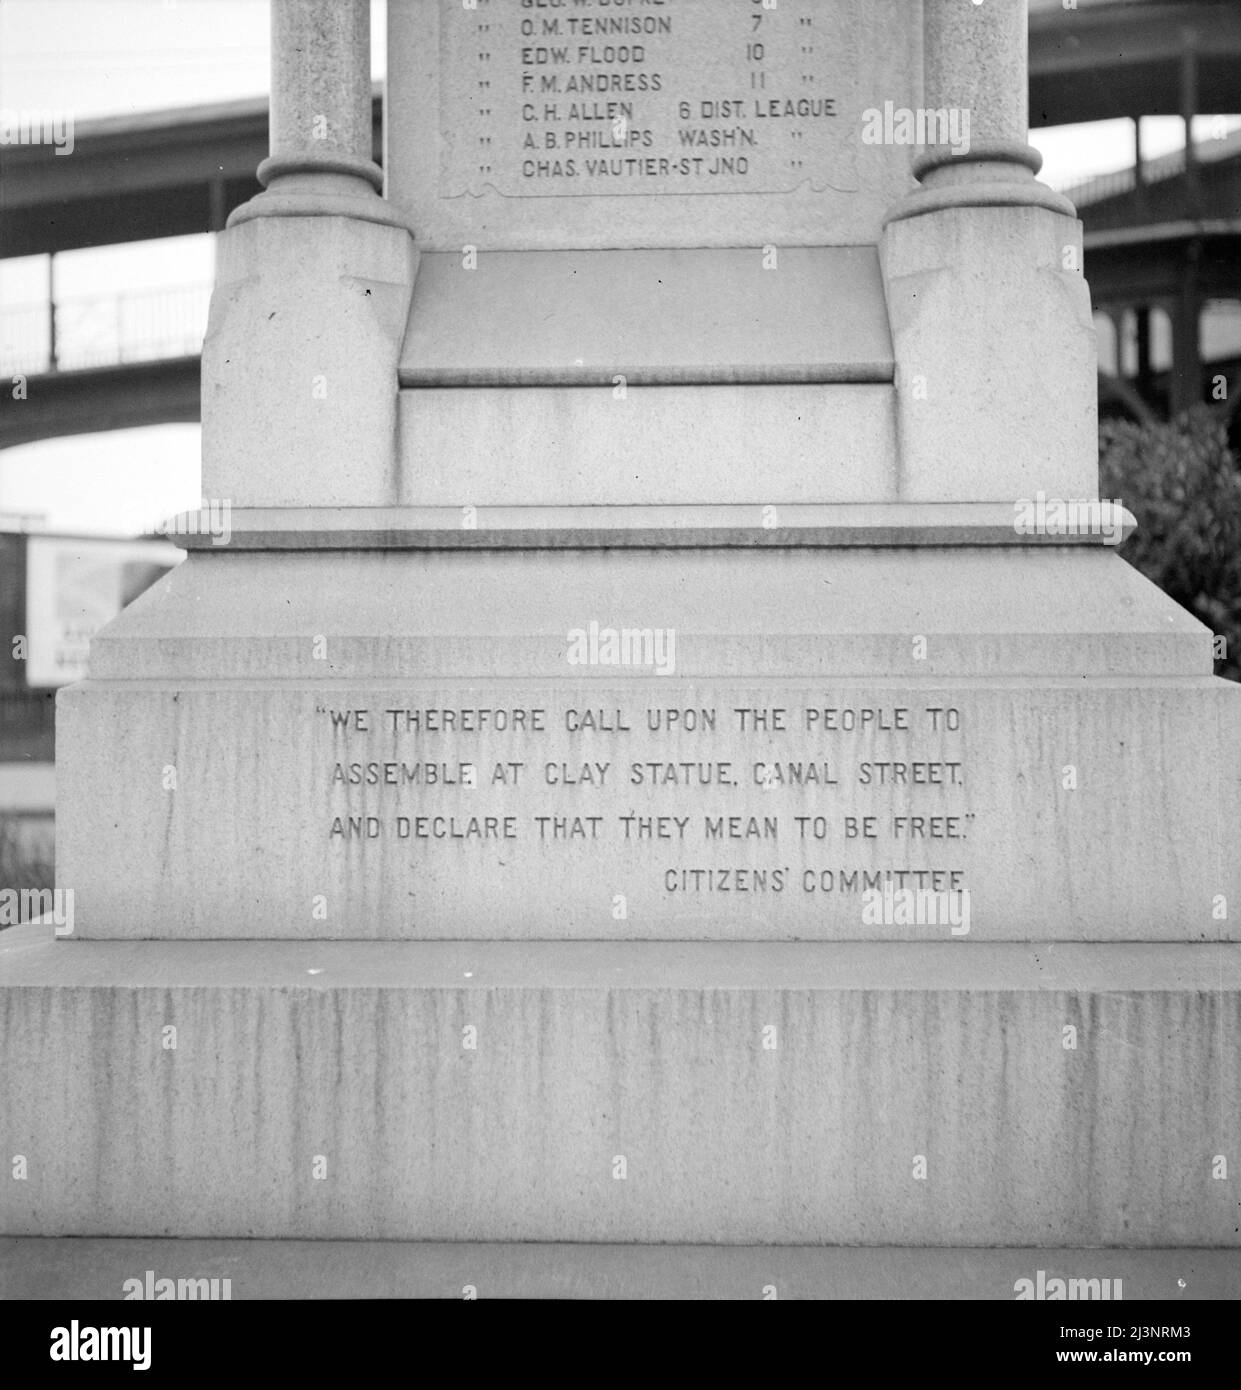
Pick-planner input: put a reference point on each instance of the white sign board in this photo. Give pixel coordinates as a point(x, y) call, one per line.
point(73, 587)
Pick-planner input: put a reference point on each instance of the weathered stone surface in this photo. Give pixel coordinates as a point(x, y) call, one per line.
point(547, 446)
point(332, 811)
point(357, 1058)
point(320, 59)
point(995, 349)
point(432, 747)
point(1073, 613)
point(744, 316)
point(78, 1267)
point(975, 60)
point(300, 362)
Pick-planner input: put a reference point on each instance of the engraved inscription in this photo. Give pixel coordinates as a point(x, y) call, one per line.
point(662, 804)
point(562, 97)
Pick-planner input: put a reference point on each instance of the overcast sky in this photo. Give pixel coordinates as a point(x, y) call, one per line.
point(107, 57)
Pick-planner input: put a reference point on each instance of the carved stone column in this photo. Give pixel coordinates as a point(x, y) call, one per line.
point(320, 136)
point(981, 260)
point(976, 59)
point(314, 281)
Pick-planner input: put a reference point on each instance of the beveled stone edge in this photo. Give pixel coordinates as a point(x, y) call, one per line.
point(33, 957)
point(950, 197)
point(861, 371)
point(776, 526)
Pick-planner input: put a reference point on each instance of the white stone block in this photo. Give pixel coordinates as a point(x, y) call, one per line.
point(300, 362)
point(995, 355)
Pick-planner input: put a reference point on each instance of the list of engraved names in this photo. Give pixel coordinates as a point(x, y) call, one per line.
point(562, 97)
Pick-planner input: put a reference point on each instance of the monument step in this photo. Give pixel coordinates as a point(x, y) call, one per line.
point(554, 318)
point(1075, 612)
point(118, 1268)
point(748, 1094)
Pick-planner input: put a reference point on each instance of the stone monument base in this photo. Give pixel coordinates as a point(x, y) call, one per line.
point(842, 1093)
point(251, 756)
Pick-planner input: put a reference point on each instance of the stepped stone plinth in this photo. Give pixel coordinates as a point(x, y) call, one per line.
point(652, 764)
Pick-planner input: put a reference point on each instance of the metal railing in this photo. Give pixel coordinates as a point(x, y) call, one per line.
point(103, 330)
point(1083, 192)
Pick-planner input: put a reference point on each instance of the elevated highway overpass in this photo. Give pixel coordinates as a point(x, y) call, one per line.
point(1167, 239)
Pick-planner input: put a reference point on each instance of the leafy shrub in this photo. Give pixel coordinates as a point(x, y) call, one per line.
point(1182, 483)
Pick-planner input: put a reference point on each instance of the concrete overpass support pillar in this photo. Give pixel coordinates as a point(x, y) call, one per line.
point(1145, 370)
point(978, 261)
point(313, 286)
point(1186, 377)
